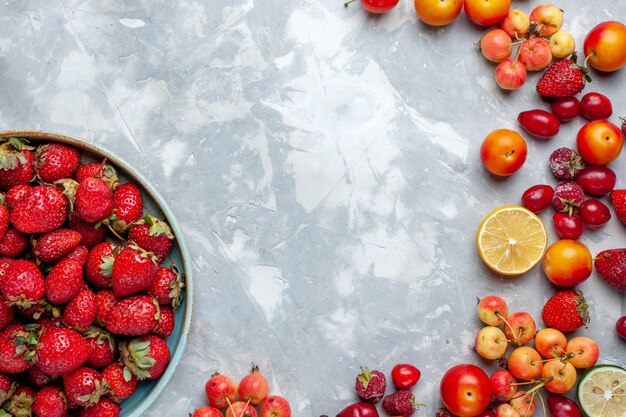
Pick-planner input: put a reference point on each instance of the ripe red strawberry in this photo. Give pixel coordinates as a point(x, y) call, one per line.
point(105, 300)
point(15, 194)
point(94, 200)
point(50, 402)
point(38, 378)
point(55, 161)
point(611, 265)
point(618, 199)
point(100, 264)
point(7, 387)
point(61, 351)
point(54, 245)
point(16, 163)
point(153, 235)
point(13, 244)
point(24, 284)
point(103, 408)
point(6, 314)
point(100, 170)
point(565, 163)
point(15, 349)
point(90, 234)
point(566, 311)
point(21, 403)
point(563, 79)
point(145, 357)
point(4, 221)
point(128, 207)
point(80, 313)
point(370, 385)
point(168, 286)
point(42, 210)
point(568, 195)
point(84, 386)
point(133, 316)
point(167, 322)
point(79, 253)
point(401, 403)
point(120, 387)
point(134, 270)
point(64, 281)
point(103, 347)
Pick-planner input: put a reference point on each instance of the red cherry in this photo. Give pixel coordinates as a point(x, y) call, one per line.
point(623, 125)
point(405, 375)
point(538, 197)
point(376, 6)
point(595, 106)
point(539, 123)
point(596, 180)
point(620, 327)
point(594, 213)
point(566, 109)
point(568, 227)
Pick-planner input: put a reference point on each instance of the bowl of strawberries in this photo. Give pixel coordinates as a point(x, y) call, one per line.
point(95, 281)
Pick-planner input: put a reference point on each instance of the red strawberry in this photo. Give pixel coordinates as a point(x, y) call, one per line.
point(64, 281)
point(21, 403)
point(563, 79)
point(618, 199)
point(15, 349)
point(4, 221)
point(153, 235)
point(167, 287)
point(100, 170)
point(400, 403)
point(568, 195)
point(80, 313)
point(6, 314)
point(103, 347)
point(90, 234)
point(566, 311)
point(105, 300)
point(133, 316)
point(16, 163)
point(370, 385)
point(24, 284)
point(94, 200)
point(13, 244)
point(79, 253)
point(15, 194)
point(167, 322)
point(54, 245)
point(61, 351)
point(134, 270)
point(123, 384)
point(146, 357)
point(56, 161)
point(84, 386)
point(128, 207)
point(611, 265)
point(38, 378)
point(50, 402)
point(42, 210)
point(103, 408)
point(565, 163)
point(100, 264)
point(7, 388)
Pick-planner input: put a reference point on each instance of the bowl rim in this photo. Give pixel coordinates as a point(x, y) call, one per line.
point(180, 237)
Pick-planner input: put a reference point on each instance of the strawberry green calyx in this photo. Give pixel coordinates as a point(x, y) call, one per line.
point(106, 267)
point(101, 336)
point(135, 356)
point(584, 69)
point(144, 253)
point(68, 187)
point(176, 288)
point(4, 396)
point(20, 405)
point(157, 227)
point(109, 175)
point(101, 388)
point(11, 153)
point(581, 307)
point(364, 377)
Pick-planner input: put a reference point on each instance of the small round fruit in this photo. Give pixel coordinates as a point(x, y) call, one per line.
point(520, 328)
point(496, 45)
point(404, 376)
point(491, 343)
point(605, 46)
point(567, 263)
point(561, 376)
point(620, 327)
point(535, 54)
point(550, 343)
point(275, 406)
point(596, 106)
point(565, 109)
point(465, 390)
point(503, 385)
point(583, 352)
point(594, 213)
point(510, 74)
point(220, 390)
point(253, 387)
point(240, 409)
point(601, 391)
point(503, 152)
point(515, 24)
point(438, 12)
point(596, 180)
point(539, 123)
point(568, 226)
point(207, 411)
point(599, 142)
point(492, 310)
point(538, 197)
point(562, 44)
point(549, 18)
point(379, 6)
point(563, 407)
point(486, 12)
point(525, 363)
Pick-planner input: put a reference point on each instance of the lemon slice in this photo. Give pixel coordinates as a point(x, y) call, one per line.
point(511, 240)
point(602, 391)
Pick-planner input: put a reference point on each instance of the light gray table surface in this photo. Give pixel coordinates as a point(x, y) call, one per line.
point(324, 166)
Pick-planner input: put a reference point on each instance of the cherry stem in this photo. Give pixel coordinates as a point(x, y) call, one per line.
point(348, 2)
point(245, 408)
point(515, 341)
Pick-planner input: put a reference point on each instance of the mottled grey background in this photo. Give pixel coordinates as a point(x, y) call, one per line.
point(324, 166)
